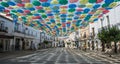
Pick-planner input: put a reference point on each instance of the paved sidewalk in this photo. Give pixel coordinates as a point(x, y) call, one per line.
point(115, 57)
point(12, 54)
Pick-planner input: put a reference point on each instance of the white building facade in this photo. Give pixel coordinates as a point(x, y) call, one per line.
point(111, 18)
point(17, 36)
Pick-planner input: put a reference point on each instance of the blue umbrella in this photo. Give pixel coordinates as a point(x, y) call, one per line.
point(2, 8)
point(109, 1)
point(72, 6)
point(49, 14)
point(63, 15)
point(31, 9)
point(36, 14)
point(86, 10)
point(20, 11)
point(52, 20)
point(78, 13)
point(11, 3)
point(96, 6)
point(45, 4)
point(76, 17)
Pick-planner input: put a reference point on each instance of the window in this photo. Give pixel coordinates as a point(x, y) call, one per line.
point(2, 23)
point(101, 22)
point(16, 27)
point(93, 30)
point(108, 21)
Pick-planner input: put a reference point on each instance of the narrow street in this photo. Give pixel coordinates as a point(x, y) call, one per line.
point(56, 56)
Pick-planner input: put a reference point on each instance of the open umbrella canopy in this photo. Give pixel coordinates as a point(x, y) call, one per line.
point(56, 17)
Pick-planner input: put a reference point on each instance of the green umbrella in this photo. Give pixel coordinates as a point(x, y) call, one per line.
point(71, 10)
point(44, 16)
point(36, 3)
point(30, 14)
point(4, 4)
point(63, 2)
point(59, 24)
point(105, 5)
point(13, 11)
point(40, 11)
point(92, 1)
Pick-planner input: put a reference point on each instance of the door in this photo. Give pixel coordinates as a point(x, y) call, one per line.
point(1, 45)
point(7, 45)
point(17, 44)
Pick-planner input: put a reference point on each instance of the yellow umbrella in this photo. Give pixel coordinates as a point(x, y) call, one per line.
point(15, 7)
point(112, 4)
point(54, 2)
point(33, 12)
point(46, 8)
point(83, 1)
point(89, 5)
point(82, 16)
point(28, 5)
point(18, 14)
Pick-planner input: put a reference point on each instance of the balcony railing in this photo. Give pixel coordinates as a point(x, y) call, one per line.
point(3, 29)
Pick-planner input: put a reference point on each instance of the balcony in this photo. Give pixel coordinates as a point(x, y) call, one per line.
point(3, 29)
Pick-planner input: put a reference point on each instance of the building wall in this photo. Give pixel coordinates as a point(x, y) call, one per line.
point(30, 34)
point(114, 19)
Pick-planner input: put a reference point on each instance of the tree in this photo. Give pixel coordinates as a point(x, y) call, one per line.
point(46, 42)
point(114, 33)
point(103, 35)
point(108, 35)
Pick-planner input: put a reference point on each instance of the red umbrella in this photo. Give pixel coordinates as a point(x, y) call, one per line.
point(20, 5)
point(26, 11)
point(39, 7)
point(7, 11)
point(73, 1)
point(43, 0)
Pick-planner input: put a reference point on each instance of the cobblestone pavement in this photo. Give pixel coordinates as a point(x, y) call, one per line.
point(57, 56)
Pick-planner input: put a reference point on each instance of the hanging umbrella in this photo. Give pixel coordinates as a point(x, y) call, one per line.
point(6, 10)
point(99, 1)
point(39, 7)
point(72, 5)
point(44, 16)
point(36, 3)
point(40, 11)
point(105, 5)
point(96, 6)
point(73, 1)
point(112, 4)
point(86, 10)
point(54, 2)
point(28, 5)
point(20, 5)
point(5, 4)
point(83, 1)
point(43, 0)
point(92, 1)
point(71, 10)
point(31, 9)
point(20, 11)
point(89, 5)
point(63, 2)
point(11, 3)
point(55, 8)
point(109, 1)
point(45, 4)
